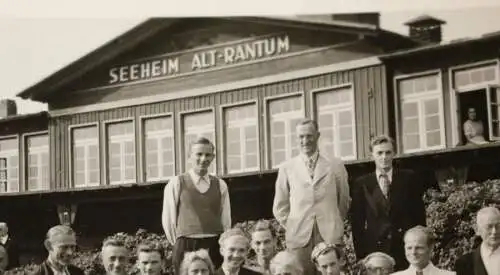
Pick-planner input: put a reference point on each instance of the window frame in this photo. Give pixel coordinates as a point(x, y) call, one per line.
point(20, 179)
point(181, 132)
point(267, 122)
point(105, 145)
point(255, 104)
point(142, 145)
point(315, 112)
point(456, 126)
point(25, 160)
point(399, 116)
point(70, 152)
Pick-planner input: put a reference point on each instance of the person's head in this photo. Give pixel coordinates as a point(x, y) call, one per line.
point(471, 113)
point(4, 259)
point(285, 263)
point(202, 153)
point(263, 239)
point(197, 263)
point(382, 150)
point(114, 256)
point(234, 247)
point(378, 263)
point(326, 258)
point(488, 226)
point(150, 259)
point(307, 136)
point(4, 229)
point(419, 242)
point(60, 242)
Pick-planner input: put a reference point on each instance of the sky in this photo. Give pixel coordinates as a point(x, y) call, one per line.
point(33, 46)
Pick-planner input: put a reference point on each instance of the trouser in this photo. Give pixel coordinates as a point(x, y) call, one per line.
point(185, 244)
point(303, 254)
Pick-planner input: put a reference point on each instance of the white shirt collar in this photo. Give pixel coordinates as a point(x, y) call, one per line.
point(196, 178)
point(306, 159)
point(426, 270)
point(389, 174)
point(4, 238)
point(486, 251)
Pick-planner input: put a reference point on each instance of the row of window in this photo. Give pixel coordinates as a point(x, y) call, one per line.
point(421, 120)
point(37, 163)
point(241, 151)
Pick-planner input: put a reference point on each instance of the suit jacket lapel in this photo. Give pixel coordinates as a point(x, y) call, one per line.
point(375, 197)
point(479, 268)
point(321, 170)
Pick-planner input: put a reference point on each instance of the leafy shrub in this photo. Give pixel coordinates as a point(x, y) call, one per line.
point(450, 213)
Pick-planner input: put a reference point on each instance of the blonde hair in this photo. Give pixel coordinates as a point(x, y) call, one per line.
point(199, 255)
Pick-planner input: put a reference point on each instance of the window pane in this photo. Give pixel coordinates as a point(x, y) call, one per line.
point(431, 106)
point(409, 109)
point(346, 149)
point(432, 123)
point(411, 142)
point(410, 125)
point(433, 138)
point(345, 118)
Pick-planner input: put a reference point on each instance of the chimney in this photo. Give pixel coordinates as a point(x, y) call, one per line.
point(7, 108)
point(426, 28)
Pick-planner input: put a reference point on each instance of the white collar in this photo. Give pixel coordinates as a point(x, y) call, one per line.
point(306, 159)
point(389, 174)
point(486, 251)
point(196, 178)
point(426, 270)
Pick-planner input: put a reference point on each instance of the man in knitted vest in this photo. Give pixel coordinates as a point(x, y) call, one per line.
point(196, 207)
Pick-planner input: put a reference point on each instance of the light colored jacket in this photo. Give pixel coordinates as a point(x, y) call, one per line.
point(300, 201)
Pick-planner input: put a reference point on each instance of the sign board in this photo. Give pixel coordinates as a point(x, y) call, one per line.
point(201, 59)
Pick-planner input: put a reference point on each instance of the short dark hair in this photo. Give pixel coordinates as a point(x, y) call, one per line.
point(151, 247)
point(113, 242)
point(382, 139)
point(263, 225)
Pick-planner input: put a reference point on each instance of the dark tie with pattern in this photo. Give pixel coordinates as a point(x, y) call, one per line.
point(385, 185)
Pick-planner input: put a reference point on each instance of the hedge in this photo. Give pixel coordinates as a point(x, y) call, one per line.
point(450, 213)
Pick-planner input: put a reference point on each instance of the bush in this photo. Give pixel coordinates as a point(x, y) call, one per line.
point(450, 213)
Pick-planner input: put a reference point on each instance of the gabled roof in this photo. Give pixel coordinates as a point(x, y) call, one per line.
point(148, 28)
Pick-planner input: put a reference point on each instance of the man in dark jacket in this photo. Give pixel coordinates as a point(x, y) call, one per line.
point(385, 204)
point(10, 245)
point(60, 242)
point(484, 260)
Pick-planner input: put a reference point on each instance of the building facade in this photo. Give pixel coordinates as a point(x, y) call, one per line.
point(121, 118)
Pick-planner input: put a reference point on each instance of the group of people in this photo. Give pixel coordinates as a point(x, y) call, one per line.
point(312, 200)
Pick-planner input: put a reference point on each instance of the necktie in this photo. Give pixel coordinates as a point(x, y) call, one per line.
point(311, 164)
point(385, 184)
point(419, 272)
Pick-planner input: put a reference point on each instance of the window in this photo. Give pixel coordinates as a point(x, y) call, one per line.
point(335, 112)
point(9, 165)
point(121, 152)
point(472, 76)
point(284, 114)
point(198, 125)
point(158, 148)
point(37, 162)
point(421, 113)
point(493, 101)
point(85, 156)
point(240, 125)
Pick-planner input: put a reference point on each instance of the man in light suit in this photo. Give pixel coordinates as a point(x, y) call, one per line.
point(484, 260)
point(385, 204)
point(311, 197)
point(419, 242)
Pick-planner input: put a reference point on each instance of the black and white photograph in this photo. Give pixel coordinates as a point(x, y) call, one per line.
point(235, 138)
